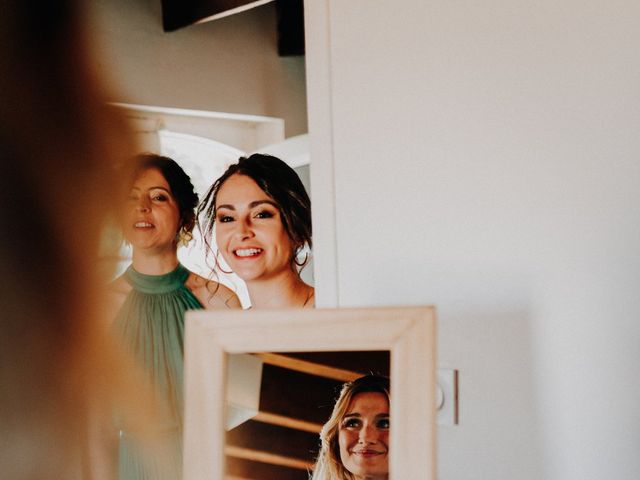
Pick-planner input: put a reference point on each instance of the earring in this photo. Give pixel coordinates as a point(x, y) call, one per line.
point(183, 237)
point(304, 262)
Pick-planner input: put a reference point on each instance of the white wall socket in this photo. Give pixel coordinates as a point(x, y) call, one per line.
point(447, 396)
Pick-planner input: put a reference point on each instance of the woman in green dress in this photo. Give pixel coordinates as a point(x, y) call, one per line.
point(151, 298)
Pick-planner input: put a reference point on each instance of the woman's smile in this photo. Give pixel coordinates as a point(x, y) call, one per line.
point(248, 253)
point(153, 217)
point(368, 453)
point(250, 233)
point(363, 436)
point(143, 225)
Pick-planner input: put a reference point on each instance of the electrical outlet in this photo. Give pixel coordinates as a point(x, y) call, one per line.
point(447, 396)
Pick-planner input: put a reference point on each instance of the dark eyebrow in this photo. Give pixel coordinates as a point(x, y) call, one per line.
point(228, 207)
point(260, 202)
point(253, 204)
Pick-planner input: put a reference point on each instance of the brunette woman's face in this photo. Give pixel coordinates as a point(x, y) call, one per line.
point(363, 436)
point(249, 231)
point(152, 216)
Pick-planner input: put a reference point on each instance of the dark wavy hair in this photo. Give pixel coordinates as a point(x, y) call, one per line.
point(280, 182)
point(179, 183)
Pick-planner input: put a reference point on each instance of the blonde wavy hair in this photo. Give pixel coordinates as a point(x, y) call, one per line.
point(328, 465)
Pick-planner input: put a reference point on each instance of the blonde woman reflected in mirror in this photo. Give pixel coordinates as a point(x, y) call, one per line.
point(354, 443)
point(152, 296)
point(262, 218)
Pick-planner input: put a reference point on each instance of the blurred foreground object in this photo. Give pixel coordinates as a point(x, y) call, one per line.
point(59, 373)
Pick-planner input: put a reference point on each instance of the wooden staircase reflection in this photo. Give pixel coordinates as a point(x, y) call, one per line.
point(297, 395)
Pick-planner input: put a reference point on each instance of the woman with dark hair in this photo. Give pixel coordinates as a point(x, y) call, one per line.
point(262, 218)
point(355, 440)
point(153, 295)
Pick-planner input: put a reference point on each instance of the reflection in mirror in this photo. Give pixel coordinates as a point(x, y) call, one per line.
point(205, 144)
point(335, 345)
point(296, 397)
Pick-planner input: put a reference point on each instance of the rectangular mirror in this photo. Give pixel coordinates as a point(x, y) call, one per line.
point(277, 404)
point(299, 340)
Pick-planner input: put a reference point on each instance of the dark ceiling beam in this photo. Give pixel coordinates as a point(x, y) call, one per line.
point(247, 469)
point(361, 362)
point(305, 366)
point(287, 422)
point(266, 457)
point(290, 27)
point(297, 395)
point(178, 14)
point(284, 442)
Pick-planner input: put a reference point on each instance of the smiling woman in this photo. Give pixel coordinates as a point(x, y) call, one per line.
point(364, 435)
point(151, 298)
point(262, 218)
point(355, 440)
point(153, 215)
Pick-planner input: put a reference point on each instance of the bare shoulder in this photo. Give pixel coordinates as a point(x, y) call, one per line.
point(211, 294)
point(116, 292)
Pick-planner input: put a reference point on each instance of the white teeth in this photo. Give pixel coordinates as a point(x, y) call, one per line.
point(142, 225)
point(247, 252)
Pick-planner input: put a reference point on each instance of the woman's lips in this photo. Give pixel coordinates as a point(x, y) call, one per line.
point(247, 252)
point(367, 453)
point(143, 225)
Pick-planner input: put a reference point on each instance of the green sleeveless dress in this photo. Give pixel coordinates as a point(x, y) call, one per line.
point(151, 325)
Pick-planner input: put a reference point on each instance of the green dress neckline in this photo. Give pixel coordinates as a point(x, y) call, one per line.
point(165, 283)
point(150, 325)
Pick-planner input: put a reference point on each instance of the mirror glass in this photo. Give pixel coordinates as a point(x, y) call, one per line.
point(204, 144)
point(314, 351)
point(296, 396)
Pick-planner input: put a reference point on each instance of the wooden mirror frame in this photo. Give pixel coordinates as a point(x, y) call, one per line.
point(408, 333)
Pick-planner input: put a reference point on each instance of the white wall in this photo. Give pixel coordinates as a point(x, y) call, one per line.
point(228, 65)
point(484, 157)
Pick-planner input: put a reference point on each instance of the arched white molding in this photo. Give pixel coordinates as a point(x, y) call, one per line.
point(244, 132)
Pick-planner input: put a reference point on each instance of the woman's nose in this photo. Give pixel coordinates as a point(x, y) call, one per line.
point(368, 434)
point(245, 229)
point(142, 205)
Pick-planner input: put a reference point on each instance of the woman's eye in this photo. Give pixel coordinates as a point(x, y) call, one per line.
point(263, 214)
point(351, 423)
point(383, 423)
point(225, 219)
point(159, 198)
